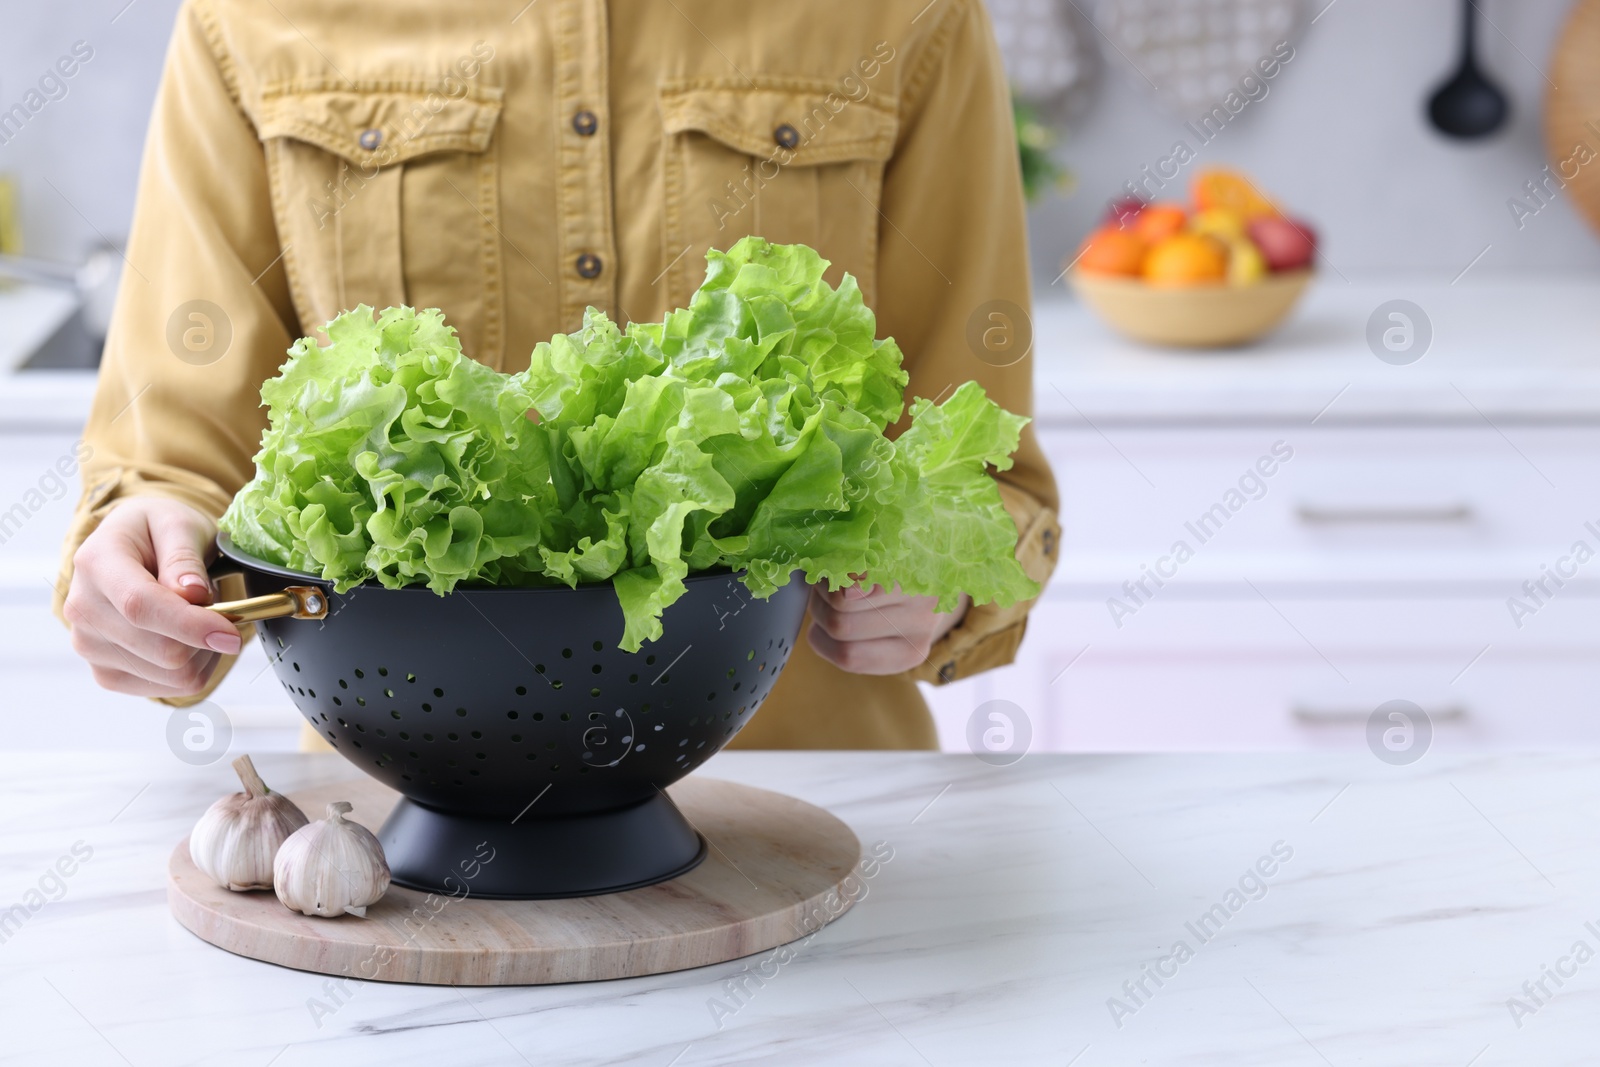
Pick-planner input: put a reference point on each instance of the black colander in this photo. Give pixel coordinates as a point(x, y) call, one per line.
point(509, 717)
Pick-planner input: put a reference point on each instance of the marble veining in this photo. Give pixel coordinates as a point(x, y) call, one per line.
point(1025, 917)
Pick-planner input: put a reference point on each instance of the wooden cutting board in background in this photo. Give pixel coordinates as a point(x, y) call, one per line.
point(1572, 108)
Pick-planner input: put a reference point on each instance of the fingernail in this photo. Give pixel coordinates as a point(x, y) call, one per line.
point(192, 581)
point(227, 644)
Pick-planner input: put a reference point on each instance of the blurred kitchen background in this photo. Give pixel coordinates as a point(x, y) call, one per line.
point(1380, 562)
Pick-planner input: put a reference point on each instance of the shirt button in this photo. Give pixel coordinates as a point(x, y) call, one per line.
point(585, 123)
point(589, 265)
point(371, 139)
point(786, 135)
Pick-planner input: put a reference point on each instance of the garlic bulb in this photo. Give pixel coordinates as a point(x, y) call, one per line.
point(331, 867)
point(235, 840)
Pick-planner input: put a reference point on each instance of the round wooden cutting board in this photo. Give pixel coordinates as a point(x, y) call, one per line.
point(773, 875)
point(1572, 110)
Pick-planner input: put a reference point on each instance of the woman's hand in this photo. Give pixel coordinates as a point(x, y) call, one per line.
point(877, 631)
point(132, 605)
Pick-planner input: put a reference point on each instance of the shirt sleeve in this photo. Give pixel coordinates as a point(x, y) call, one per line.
point(203, 315)
point(954, 288)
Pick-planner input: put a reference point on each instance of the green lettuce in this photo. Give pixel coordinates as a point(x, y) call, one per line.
point(746, 431)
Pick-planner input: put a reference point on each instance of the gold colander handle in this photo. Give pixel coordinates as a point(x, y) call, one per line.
point(295, 601)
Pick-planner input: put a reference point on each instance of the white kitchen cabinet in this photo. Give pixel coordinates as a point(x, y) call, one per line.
point(1203, 602)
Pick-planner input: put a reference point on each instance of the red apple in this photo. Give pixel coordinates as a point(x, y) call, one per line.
point(1286, 244)
point(1124, 210)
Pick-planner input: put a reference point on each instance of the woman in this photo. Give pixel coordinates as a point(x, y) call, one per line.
point(512, 164)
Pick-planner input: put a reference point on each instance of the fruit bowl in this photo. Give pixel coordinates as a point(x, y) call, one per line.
point(508, 718)
point(1196, 316)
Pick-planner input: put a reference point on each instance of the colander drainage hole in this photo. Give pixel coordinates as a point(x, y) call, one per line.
point(453, 737)
point(389, 693)
point(750, 655)
point(384, 671)
point(362, 701)
point(633, 678)
point(312, 693)
point(659, 727)
point(382, 732)
point(556, 684)
point(731, 671)
point(461, 713)
point(538, 716)
point(338, 703)
point(360, 673)
point(404, 736)
point(522, 690)
point(595, 691)
point(532, 756)
point(649, 660)
point(343, 684)
point(438, 692)
point(427, 707)
point(598, 645)
point(566, 716)
point(516, 739)
point(477, 735)
point(394, 714)
point(566, 653)
point(411, 677)
point(595, 669)
point(511, 715)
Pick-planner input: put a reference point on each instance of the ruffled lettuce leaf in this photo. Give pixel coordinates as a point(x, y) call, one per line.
point(745, 431)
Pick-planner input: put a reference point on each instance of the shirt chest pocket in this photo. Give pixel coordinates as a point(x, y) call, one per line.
point(388, 196)
point(788, 160)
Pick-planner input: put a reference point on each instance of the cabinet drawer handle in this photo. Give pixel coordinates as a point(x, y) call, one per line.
point(1328, 716)
point(1447, 514)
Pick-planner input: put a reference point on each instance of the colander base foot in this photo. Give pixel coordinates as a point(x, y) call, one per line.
point(539, 858)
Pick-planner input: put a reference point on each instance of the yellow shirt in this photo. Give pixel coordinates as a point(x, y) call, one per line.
point(512, 163)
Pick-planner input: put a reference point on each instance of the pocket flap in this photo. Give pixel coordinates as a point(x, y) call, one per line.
point(381, 126)
point(812, 119)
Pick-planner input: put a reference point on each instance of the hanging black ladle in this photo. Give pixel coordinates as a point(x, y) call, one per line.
point(1468, 105)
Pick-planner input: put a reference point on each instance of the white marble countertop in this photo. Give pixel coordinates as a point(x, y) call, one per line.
point(1513, 349)
point(1404, 908)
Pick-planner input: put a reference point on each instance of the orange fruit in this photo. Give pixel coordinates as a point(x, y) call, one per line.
point(1216, 187)
point(1110, 250)
point(1159, 221)
point(1186, 259)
